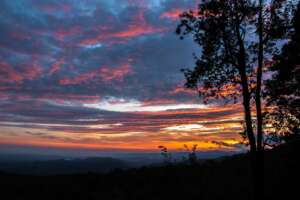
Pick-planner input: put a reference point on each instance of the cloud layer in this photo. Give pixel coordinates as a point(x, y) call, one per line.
point(102, 74)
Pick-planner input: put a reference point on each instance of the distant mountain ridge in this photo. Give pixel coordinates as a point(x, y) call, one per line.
point(38, 164)
point(64, 166)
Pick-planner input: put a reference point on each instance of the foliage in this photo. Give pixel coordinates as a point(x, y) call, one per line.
point(235, 37)
point(214, 29)
point(283, 90)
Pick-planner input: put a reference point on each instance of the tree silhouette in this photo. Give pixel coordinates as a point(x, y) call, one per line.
point(274, 23)
point(192, 156)
point(165, 154)
point(283, 91)
point(236, 38)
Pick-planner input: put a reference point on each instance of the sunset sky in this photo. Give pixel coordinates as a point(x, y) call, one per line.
point(104, 74)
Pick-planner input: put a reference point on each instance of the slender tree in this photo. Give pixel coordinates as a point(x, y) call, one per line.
point(273, 24)
point(220, 29)
point(259, 78)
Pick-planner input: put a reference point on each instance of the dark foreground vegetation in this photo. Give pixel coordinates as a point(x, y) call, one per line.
point(226, 178)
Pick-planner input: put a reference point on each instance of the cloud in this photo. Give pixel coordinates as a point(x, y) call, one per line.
point(63, 33)
point(187, 127)
point(81, 78)
point(8, 73)
point(26, 71)
point(109, 74)
point(131, 105)
point(137, 26)
point(102, 74)
point(172, 14)
point(56, 66)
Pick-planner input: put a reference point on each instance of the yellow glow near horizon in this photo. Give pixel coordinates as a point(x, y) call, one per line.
point(211, 127)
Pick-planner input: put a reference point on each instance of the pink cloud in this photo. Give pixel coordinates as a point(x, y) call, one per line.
point(109, 74)
point(85, 77)
point(138, 27)
point(26, 71)
point(62, 33)
point(8, 74)
point(140, 3)
point(55, 67)
point(172, 14)
point(4, 96)
point(4, 88)
point(61, 98)
point(105, 74)
point(62, 7)
point(20, 36)
point(180, 89)
point(31, 71)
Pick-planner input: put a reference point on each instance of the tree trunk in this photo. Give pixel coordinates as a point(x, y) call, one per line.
point(247, 113)
point(259, 162)
point(255, 167)
point(259, 80)
point(245, 87)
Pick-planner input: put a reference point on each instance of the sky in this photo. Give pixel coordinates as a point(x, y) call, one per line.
point(104, 74)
